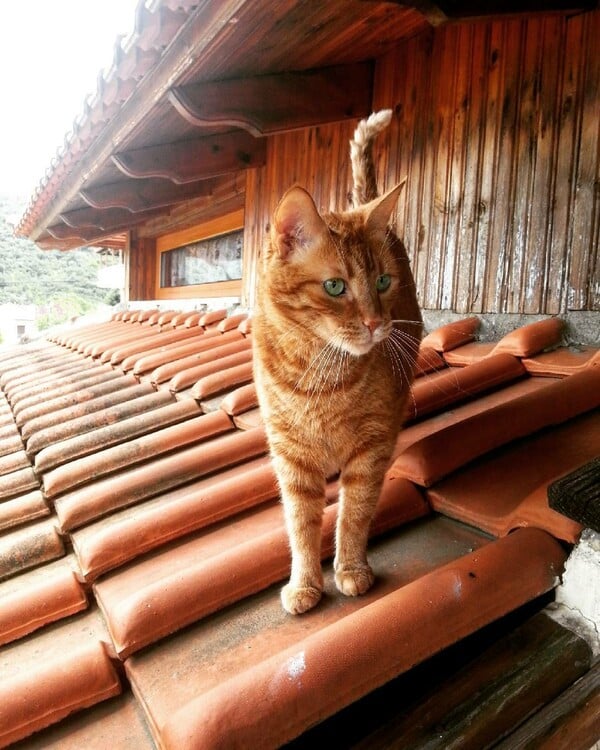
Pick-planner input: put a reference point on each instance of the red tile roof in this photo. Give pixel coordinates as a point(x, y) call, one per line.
point(139, 524)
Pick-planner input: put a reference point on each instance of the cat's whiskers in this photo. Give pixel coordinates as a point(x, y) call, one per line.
point(403, 361)
point(404, 342)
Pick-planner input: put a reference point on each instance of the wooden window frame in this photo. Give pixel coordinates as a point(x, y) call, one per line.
point(222, 225)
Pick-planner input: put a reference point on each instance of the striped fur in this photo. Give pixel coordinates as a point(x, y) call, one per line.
point(333, 373)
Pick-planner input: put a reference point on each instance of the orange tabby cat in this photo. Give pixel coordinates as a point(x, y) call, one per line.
point(336, 334)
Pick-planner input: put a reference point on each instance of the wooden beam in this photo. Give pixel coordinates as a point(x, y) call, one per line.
point(189, 161)
point(47, 242)
point(81, 236)
point(573, 717)
point(277, 103)
point(444, 10)
point(105, 219)
point(492, 694)
point(142, 195)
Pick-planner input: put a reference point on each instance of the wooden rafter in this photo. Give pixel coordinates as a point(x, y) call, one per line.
point(105, 219)
point(277, 103)
point(440, 11)
point(143, 195)
point(192, 160)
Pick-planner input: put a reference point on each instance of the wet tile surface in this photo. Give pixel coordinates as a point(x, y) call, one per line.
point(140, 526)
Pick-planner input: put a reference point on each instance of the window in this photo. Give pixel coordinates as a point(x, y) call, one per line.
point(203, 261)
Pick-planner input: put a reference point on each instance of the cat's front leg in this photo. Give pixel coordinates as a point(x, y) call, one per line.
point(303, 495)
point(361, 484)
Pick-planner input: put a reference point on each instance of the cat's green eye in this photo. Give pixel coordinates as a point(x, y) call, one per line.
point(334, 287)
point(383, 282)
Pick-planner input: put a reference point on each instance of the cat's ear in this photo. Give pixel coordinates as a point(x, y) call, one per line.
point(297, 225)
point(379, 210)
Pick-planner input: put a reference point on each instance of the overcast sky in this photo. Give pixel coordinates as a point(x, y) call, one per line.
point(50, 56)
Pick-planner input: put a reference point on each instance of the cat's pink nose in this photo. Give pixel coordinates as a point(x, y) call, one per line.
point(372, 324)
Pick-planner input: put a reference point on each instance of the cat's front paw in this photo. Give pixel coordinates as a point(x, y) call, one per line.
point(354, 581)
point(299, 599)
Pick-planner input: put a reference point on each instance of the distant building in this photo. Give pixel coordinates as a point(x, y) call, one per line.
point(17, 323)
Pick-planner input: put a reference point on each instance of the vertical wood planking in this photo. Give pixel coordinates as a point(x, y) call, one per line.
point(584, 291)
point(497, 128)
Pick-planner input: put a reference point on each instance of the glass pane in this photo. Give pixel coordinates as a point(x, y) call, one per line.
point(214, 259)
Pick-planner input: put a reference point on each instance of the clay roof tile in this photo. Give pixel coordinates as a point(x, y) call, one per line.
point(175, 527)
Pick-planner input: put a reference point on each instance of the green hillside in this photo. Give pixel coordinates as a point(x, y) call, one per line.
point(60, 285)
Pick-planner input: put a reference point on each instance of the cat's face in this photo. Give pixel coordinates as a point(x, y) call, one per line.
point(337, 275)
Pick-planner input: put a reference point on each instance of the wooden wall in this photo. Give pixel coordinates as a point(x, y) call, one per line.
point(497, 127)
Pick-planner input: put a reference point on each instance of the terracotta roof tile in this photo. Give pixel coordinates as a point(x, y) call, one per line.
point(38, 597)
point(13, 461)
point(28, 547)
point(248, 420)
point(560, 362)
point(61, 385)
point(116, 723)
point(22, 509)
point(439, 453)
point(451, 335)
point(125, 535)
point(232, 322)
point(17, 483)
point(117, 353)
point(86, 442)
point(102, 415)
point(452, 385)
point(467, 354)
point(245, 327)
point(206, 353)
point(88, 405)
point(240, 400)
point(132, 452)
point(131, 485)
point(170, 589)
point(216, 361)
point(480, 493)
point(44, 679)
point(213, 316)
point(128, 334)
point(179, 529)
point(149, 359)
point(429, 360)
point(264, 696)
point(51, 405)
point(224, 379)
point(532, 339)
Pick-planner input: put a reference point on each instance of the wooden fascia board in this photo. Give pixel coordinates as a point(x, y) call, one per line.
point(268, 104)
point(196, 159)
point(200, 33)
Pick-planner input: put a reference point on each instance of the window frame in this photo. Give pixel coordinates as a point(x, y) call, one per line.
point(222, 225)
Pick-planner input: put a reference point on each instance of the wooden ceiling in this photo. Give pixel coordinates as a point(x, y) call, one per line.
point(192, 95)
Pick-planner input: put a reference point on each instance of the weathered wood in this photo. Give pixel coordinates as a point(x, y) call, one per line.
point(192, 160)
point(278, 103)
point(570, 722)
point(496, 128)
point(140, 261)
point(489, 697)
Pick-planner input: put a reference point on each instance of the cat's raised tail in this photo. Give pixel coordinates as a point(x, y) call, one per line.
point(364, 184)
